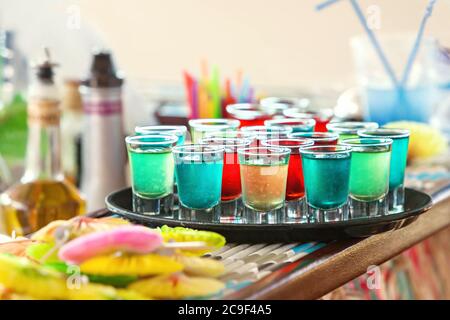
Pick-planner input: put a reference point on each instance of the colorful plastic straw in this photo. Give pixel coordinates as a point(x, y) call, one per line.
point(390, 72)
point(415, 50)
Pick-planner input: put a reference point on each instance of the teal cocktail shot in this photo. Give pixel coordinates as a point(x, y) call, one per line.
point(152, 170)
point(399, 156)
point(297, 125)
point(326, 172)
point(198, 169)
point(369, 177)
point(349, 129)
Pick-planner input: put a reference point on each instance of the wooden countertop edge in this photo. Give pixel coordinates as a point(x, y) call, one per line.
point(331, 271)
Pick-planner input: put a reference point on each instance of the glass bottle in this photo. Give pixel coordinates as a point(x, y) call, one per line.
point(43, 194)
point(71, 130)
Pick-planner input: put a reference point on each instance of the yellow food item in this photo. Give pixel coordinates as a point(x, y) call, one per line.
point(196, 266)
point(177, 286)
point(424, 140)
point(139, 265)
point(25, 277)
point(179, 234)
point(92, 291)
point(77, 227)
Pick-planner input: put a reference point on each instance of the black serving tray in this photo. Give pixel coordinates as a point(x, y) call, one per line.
point(416, 203)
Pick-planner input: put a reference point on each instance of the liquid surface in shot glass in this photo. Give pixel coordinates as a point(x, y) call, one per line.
point(369, 177)
point(264, 186)
point(152, 173)
point(399, 154)
point(326, 180)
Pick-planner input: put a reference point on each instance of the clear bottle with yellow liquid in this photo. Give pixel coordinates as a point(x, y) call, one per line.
point(43, 194)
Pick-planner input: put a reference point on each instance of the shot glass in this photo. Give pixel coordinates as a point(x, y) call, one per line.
point(297, 125)
point(198, 169)
point(264, 172)
point(279, 104)
point(349, 129)
point(295, 206)
point(234, 134)
point(322, 117)
point(152, 172)
point(399, 155)
point(319, 138)
point(264, 133)
point(249, 114)
point(200, 126)
point(231, 176)
point(369, 177)
point(326, 171)
point(179, 131)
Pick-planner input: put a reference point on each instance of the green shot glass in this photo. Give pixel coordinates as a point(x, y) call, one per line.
point(326, 172)
point(152, 171)
point(369, 176)
point(349, 130)
point(399, 155)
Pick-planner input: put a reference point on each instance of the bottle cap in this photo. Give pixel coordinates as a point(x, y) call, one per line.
point(103, 73)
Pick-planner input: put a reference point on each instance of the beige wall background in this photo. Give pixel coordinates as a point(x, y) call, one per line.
point(276, 42)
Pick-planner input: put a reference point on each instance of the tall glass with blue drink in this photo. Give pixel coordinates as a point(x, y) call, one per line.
point(385, 101)
point(399, 156)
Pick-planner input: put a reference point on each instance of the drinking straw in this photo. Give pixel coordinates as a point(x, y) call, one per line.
point(203, 100)
point(415, 49)
point(194, 90)
point(376, 45)
point(215, 92)
point(372, 38)
point(188, 81)
point(325, 4)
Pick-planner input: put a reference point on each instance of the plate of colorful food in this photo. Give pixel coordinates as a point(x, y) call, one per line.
point(110, 258)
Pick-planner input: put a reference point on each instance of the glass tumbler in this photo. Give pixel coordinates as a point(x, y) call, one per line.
point(399, 156)
point(369, 176)
point(152, 171)
point(326, 171)
point(201, 126)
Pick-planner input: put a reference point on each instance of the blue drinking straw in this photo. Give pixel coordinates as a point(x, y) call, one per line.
point(416, 46)
point(372, 38)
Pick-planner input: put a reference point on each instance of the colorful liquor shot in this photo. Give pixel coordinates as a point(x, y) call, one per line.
point(249, 114)
point(278, 104)
point(295, 205)
point(152, 171)
point(179, 131)
point(326, 171)
point(264, 133)
point(231, 176)
point(319, 138)
point(349, 130)
point(234, 134)
point(322, 117)
point(200, 126)
point(399, 155)
point(264, 172)
point(198, 169)
point(369, 177)
point(297, 125)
